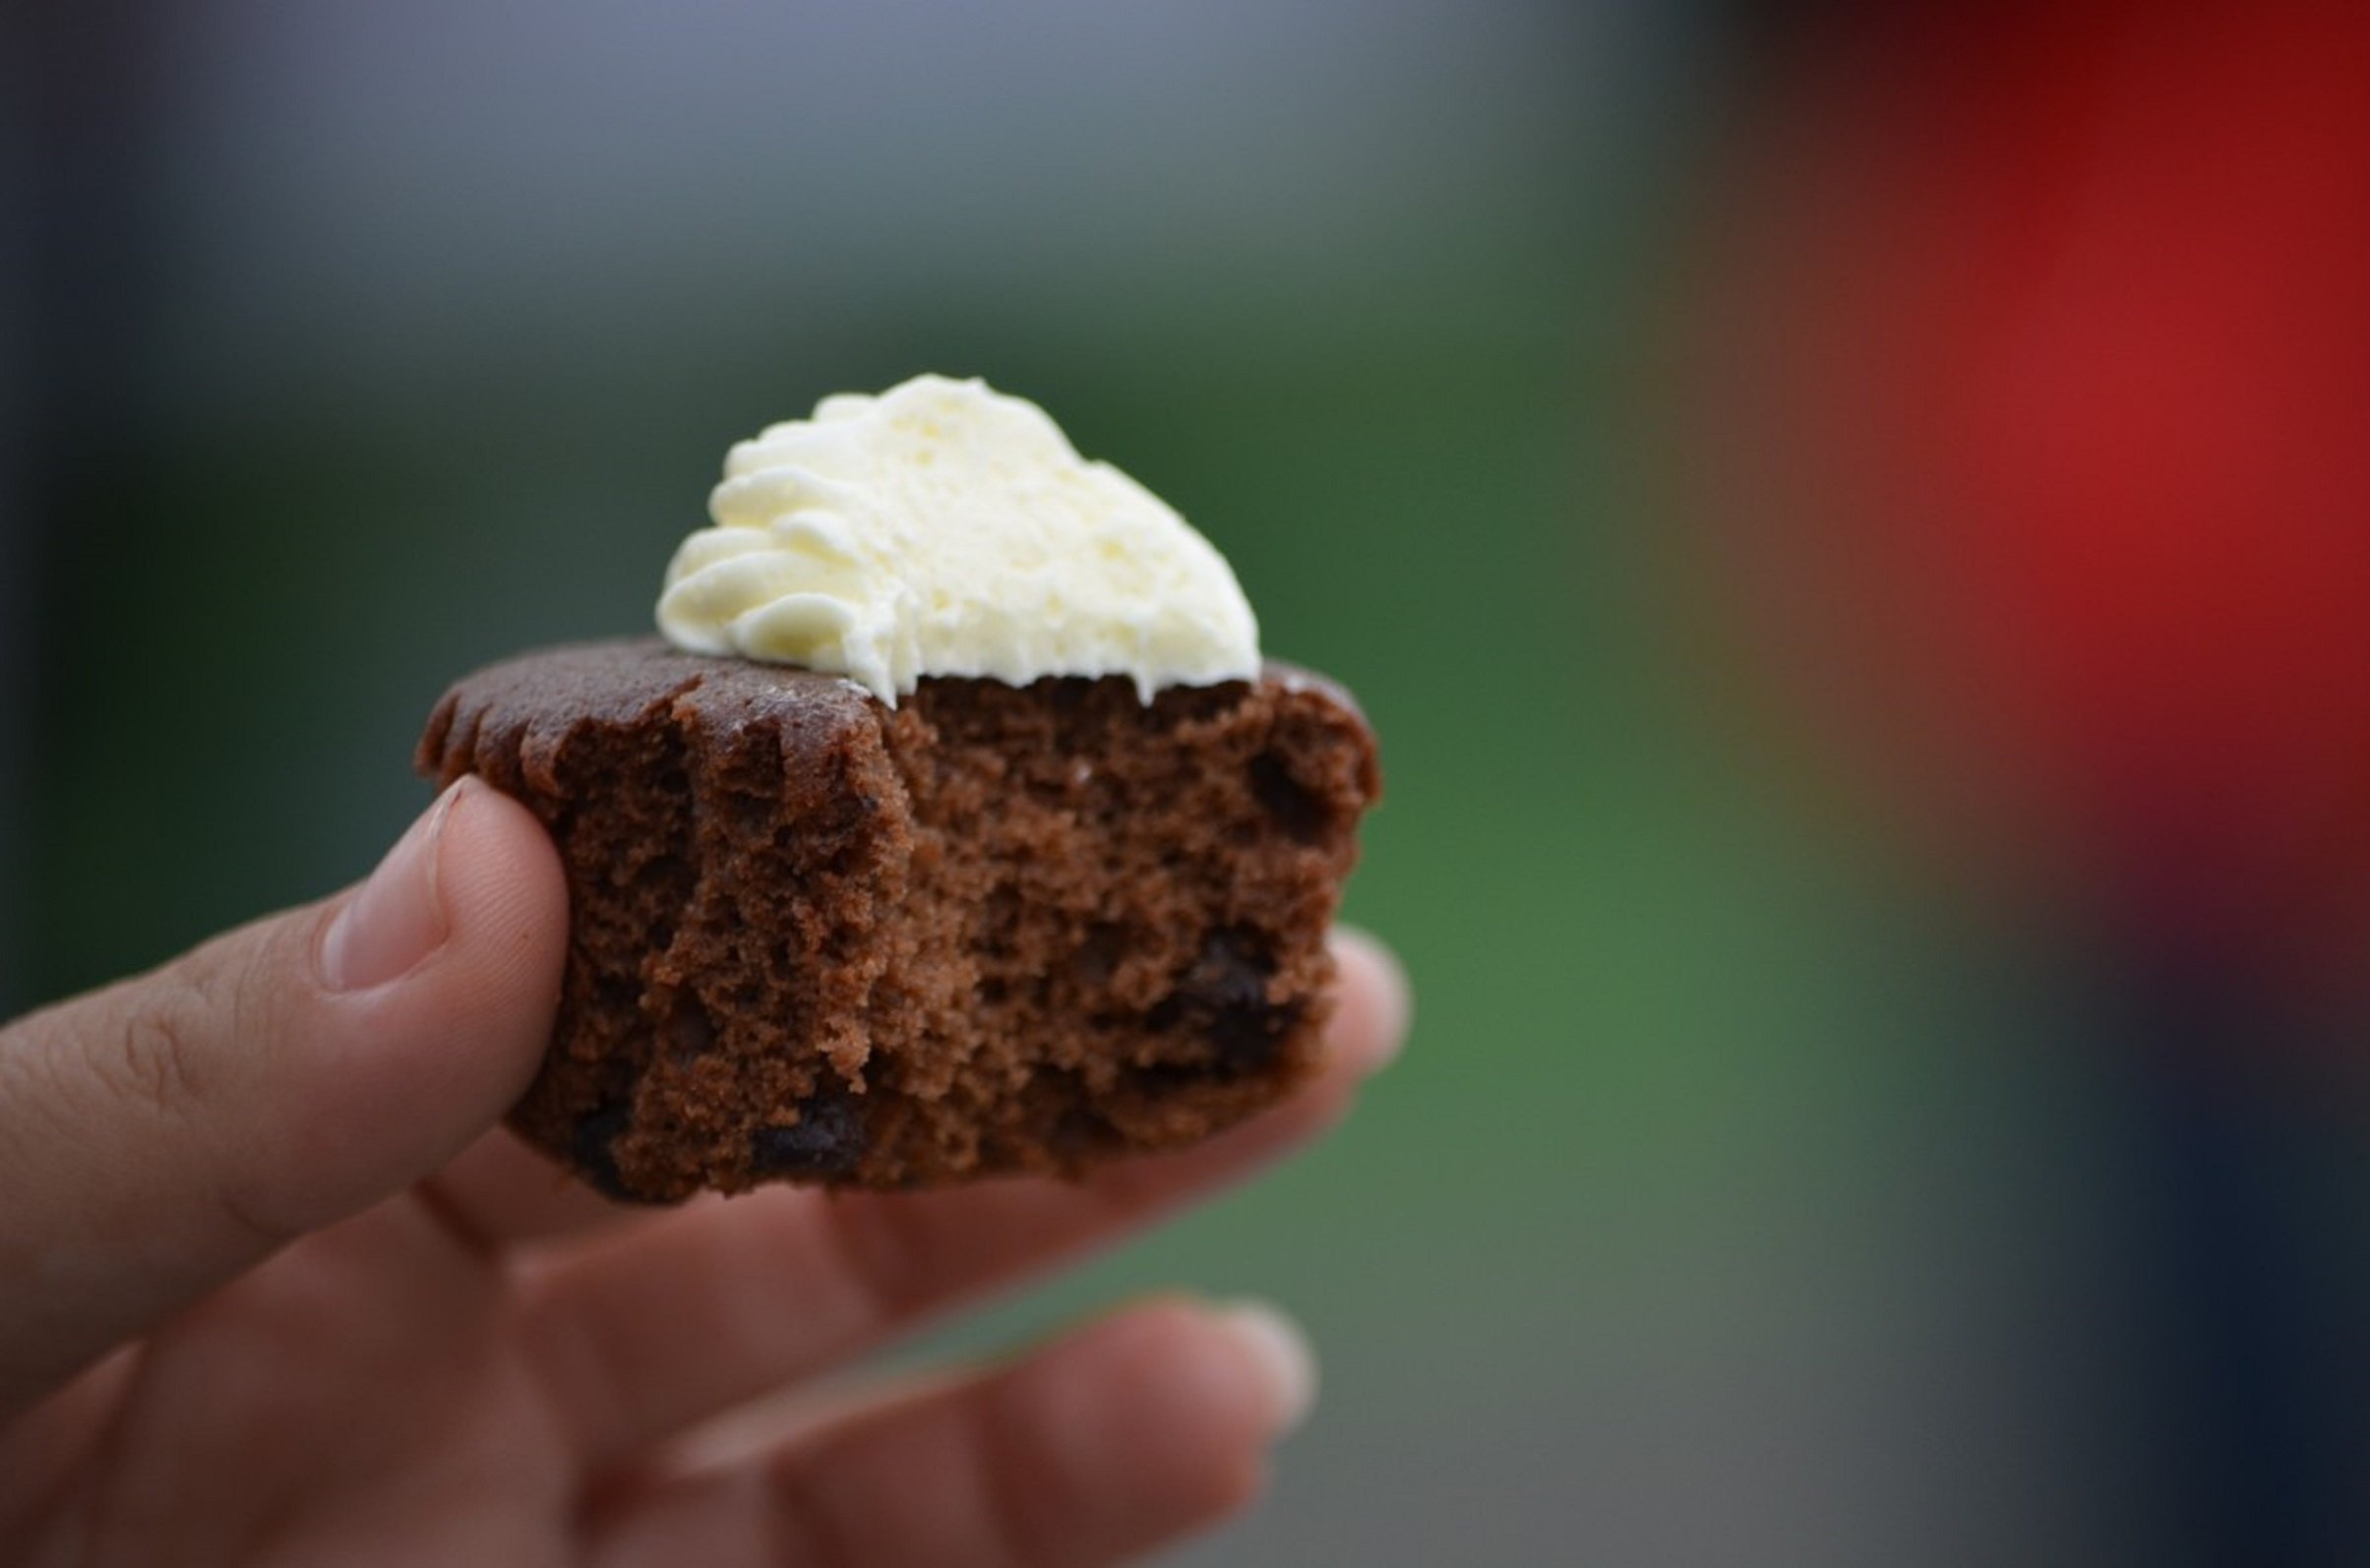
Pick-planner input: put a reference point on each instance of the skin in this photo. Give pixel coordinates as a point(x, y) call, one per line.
point(274, 1287)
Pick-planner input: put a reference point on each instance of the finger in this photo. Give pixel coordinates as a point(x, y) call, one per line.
point(1373, 1006)
point(643, 1336)
point(158, 1136)
point(1112, 1440)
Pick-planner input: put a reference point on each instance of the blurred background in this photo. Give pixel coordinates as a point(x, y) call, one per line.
point(1853, 529)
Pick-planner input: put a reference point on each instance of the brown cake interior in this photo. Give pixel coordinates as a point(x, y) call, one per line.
point(997, 929)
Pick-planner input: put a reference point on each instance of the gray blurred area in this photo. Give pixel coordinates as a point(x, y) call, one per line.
point(423, 330)
point(1708, 1220)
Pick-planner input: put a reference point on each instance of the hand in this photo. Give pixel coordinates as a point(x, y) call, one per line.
point(272, 1291)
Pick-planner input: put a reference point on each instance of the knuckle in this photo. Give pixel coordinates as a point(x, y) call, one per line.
point(149, 1082)
point(173, 1039)
point(173, 1058)
point(156, 1056)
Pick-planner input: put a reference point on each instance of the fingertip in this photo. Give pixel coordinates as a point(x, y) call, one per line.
point(1119, 1436)
point(505, 892)
point(1279, 1354)
point(489, 993)
point(1175, 1401)
point(1375, 1003)
point(410, 1071)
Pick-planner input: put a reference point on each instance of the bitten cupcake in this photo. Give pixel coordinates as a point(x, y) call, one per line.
point(956, 828)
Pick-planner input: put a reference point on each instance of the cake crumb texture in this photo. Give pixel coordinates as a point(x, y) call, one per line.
point(996, 929)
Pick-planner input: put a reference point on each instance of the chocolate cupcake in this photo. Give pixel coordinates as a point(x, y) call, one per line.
point(956, 829)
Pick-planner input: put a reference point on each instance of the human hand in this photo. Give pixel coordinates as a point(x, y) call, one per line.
point(272, 1291)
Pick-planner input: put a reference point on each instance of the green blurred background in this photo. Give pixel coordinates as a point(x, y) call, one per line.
point(1737, 1199)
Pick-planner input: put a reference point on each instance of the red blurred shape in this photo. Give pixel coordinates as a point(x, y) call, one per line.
point(2051, 384)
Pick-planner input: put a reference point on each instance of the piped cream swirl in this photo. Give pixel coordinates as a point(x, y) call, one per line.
point(941, 528)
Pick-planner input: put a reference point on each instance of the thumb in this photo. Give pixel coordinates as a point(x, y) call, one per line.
point(161, 1135)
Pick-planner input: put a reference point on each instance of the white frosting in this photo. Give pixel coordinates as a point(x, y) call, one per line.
point(941, 528)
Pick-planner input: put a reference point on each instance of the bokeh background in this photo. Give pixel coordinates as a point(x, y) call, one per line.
point(1851, 529)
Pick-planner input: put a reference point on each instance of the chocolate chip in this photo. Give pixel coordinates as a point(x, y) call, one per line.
point(1079, 1129)
point(1222, 997)
point(1230, 974)
point(1247, 1041)
point(827, 1139)
point(1296, 808)
point(591, 1148)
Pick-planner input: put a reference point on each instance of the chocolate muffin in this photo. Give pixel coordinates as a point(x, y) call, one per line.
point(993, 928)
